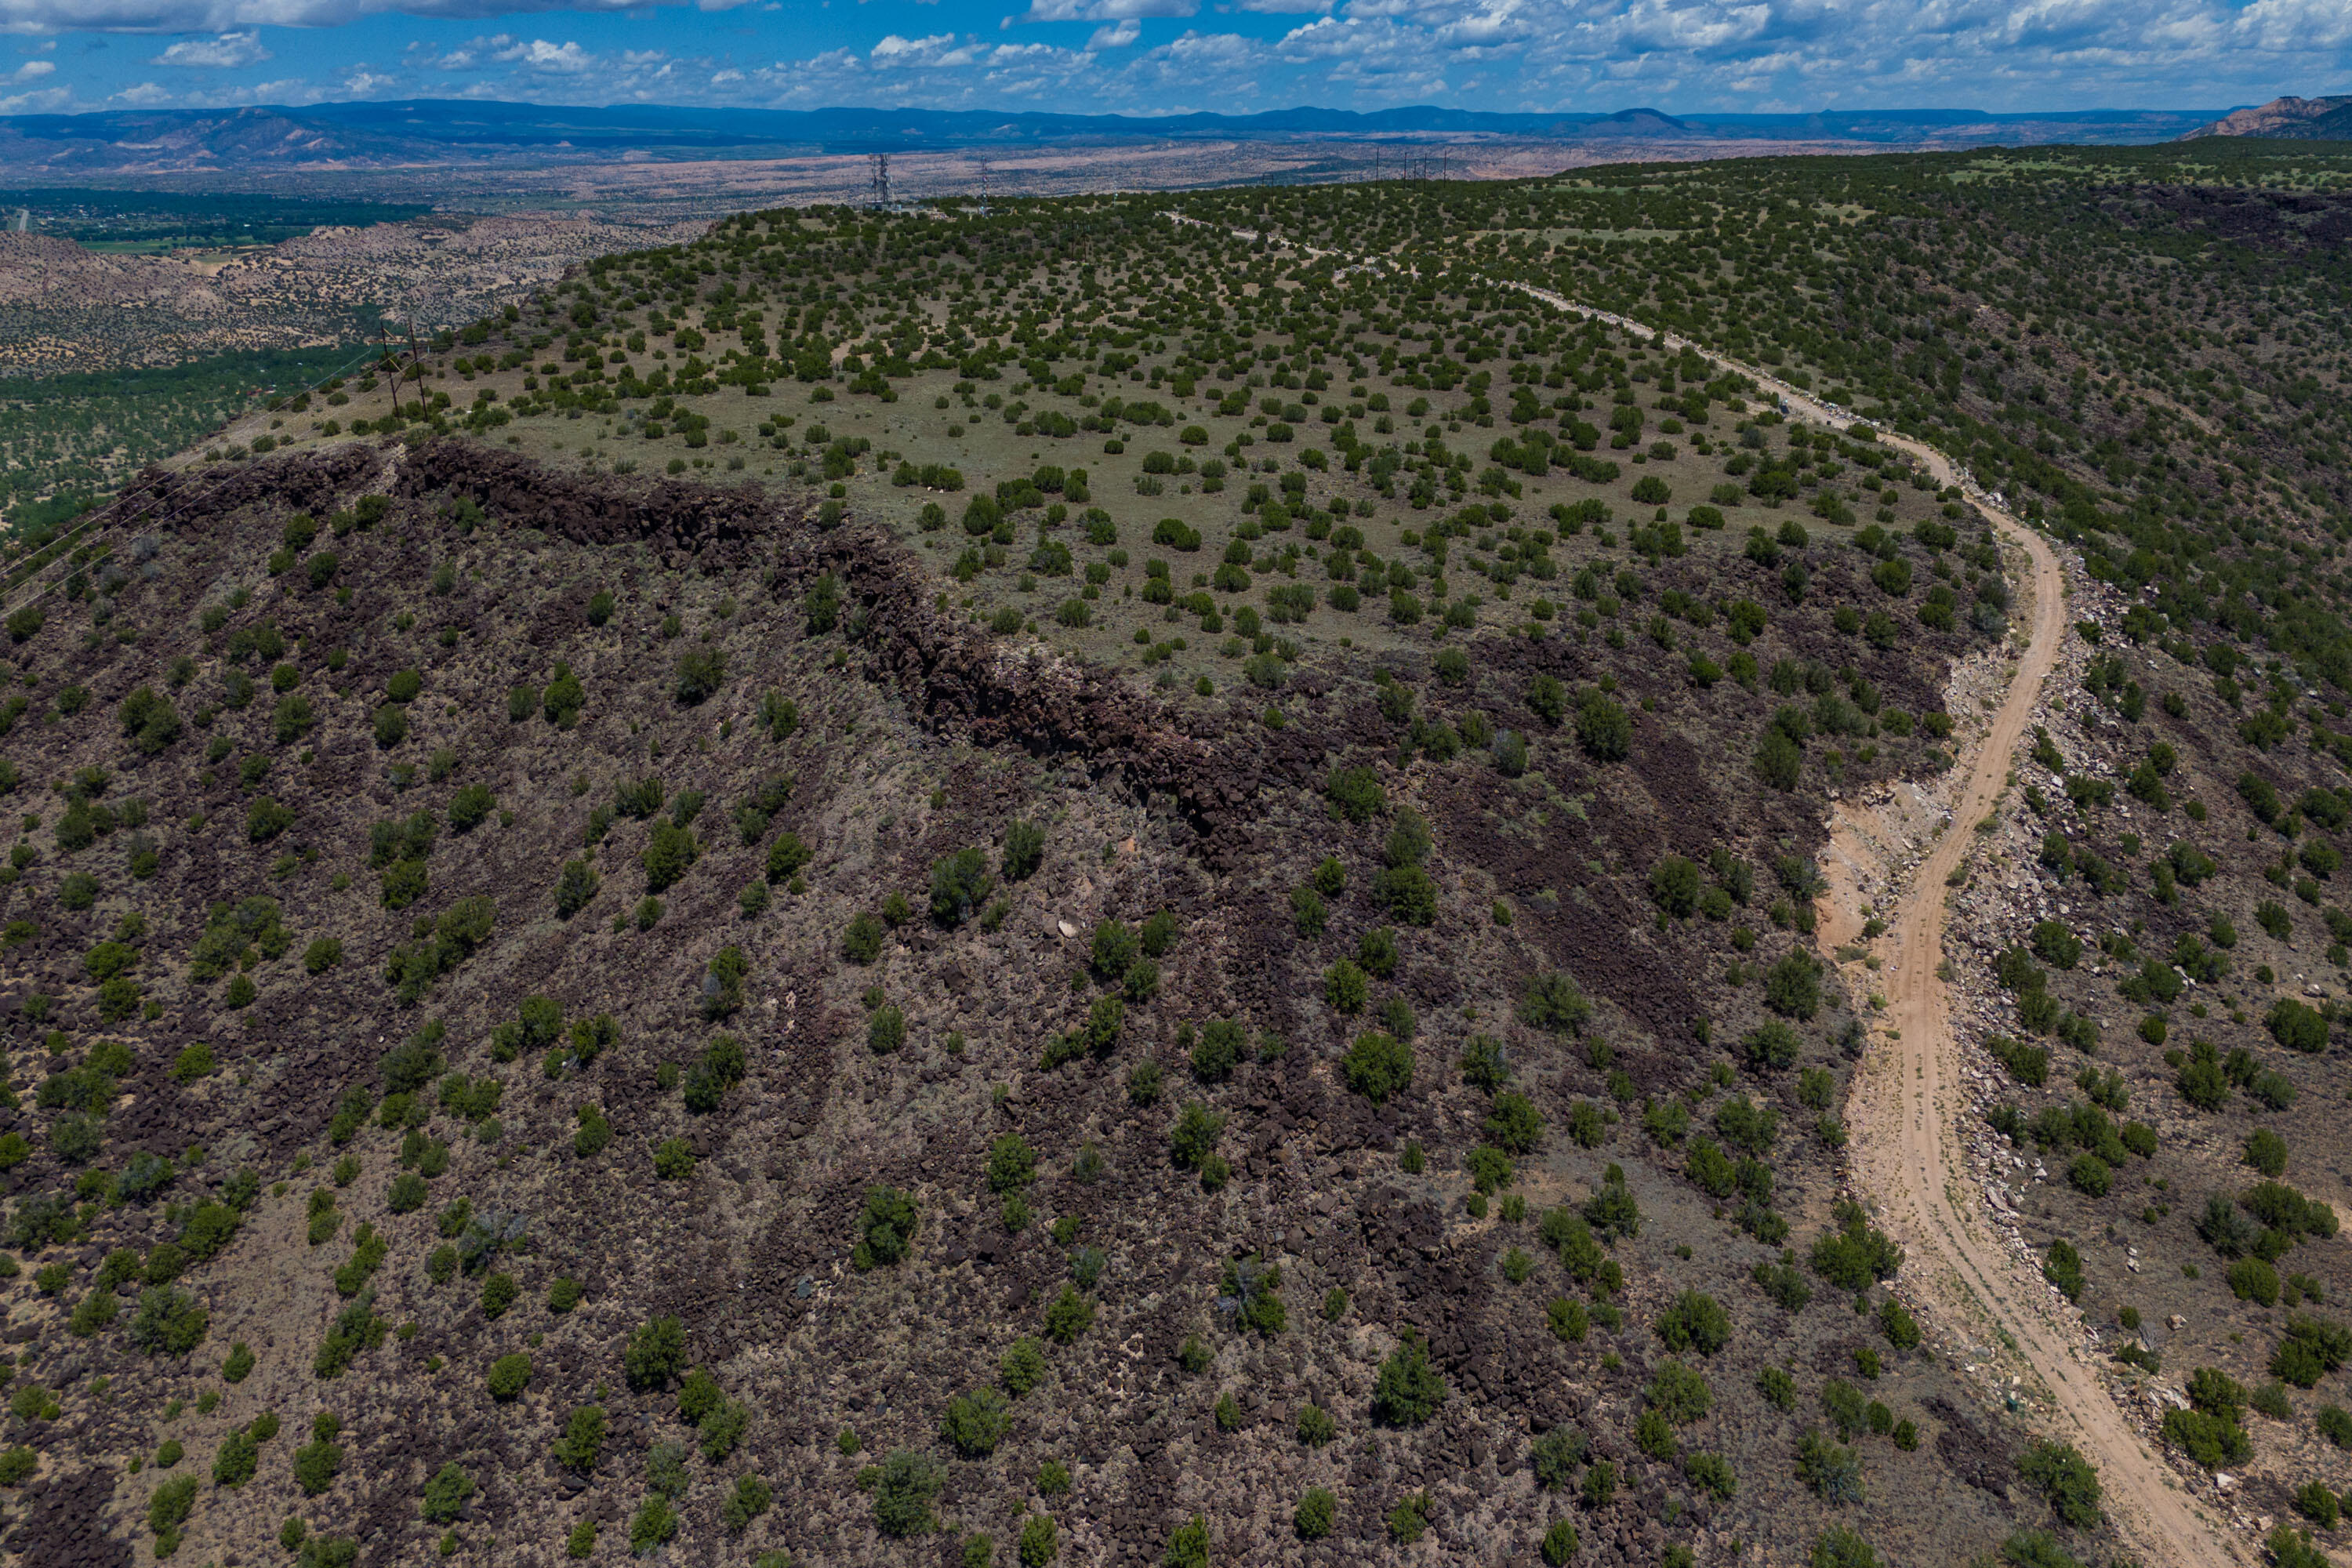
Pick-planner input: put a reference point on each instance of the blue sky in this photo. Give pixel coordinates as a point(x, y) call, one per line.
point(1163, 56)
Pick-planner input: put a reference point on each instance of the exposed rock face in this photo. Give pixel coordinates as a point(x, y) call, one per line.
point(2296, 119)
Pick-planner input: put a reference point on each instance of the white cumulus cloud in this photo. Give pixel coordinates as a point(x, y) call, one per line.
point(937, 51)
point(895, 48)
point(287, 89)
point(41, 16)
point(2280, 25)
point(476, 53)
point(566, 58)
point(227, 51)
point(1511, 55)
point(1106, 10)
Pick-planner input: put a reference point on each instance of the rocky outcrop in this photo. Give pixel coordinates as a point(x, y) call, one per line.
point(2292, 119)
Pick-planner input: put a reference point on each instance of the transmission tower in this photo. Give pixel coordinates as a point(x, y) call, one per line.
point(383, 329)
point(880, 162)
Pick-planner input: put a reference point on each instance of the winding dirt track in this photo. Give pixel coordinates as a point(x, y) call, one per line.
point(1904, 1110)
point(1906, 1151)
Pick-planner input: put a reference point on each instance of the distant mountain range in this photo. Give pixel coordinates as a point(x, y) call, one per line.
point(445, 132)
point(2287, 120)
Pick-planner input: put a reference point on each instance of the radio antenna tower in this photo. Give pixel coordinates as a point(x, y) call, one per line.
point(881, 165)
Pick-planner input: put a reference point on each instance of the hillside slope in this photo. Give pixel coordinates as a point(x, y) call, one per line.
point(319, 1019)
point(1142, 862)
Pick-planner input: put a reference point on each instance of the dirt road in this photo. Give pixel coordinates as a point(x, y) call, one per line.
point(1905, 1122)
point(1903, 1116)
point(1905, 1110)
